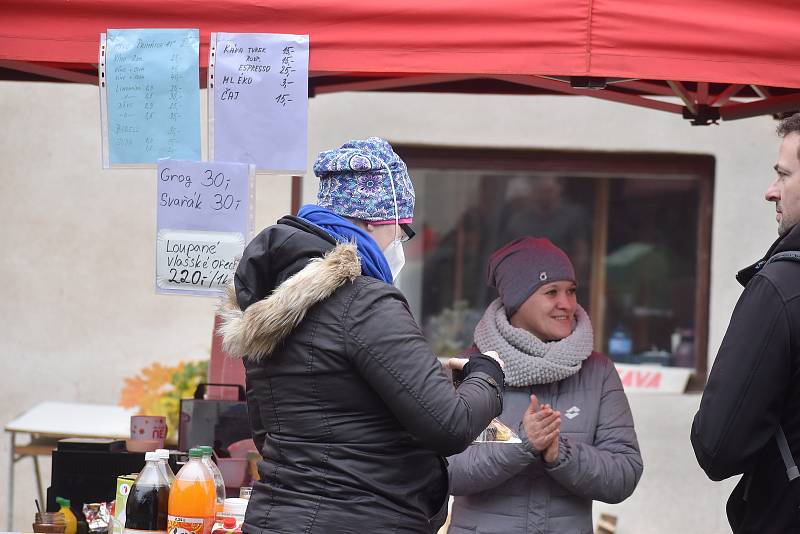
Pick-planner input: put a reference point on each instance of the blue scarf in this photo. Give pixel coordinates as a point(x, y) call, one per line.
point(373, 262)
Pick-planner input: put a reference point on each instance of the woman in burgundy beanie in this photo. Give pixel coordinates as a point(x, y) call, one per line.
point(509, 269)
point(578, 440)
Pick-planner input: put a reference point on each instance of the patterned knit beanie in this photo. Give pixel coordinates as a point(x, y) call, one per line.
point(356, 181)
point(518, 269)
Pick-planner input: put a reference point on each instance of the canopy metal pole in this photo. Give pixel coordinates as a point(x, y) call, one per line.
point(297, 194)
point(775, 104)
point(684, 95)
point(729, 92)
point(49, 72)
point(605, 94)
point(12, 445)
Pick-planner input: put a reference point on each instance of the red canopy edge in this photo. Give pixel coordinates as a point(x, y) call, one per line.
point(733, 45)
point(733, 41)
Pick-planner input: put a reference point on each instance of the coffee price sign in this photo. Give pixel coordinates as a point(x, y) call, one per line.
point(204, 221)
point(258, 100)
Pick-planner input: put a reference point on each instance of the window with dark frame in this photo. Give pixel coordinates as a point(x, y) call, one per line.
point(636, 226)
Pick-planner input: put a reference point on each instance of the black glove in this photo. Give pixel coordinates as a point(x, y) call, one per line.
point(488, 365)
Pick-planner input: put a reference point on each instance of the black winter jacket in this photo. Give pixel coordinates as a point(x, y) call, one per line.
point(753, 387)
point(350, 408)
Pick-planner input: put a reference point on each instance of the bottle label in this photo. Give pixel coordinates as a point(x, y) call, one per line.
point(189, 525)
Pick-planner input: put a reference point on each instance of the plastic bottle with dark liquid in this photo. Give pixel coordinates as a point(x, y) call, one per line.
point(148, 501)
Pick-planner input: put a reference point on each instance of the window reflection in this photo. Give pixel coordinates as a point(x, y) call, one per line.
point(633, 240)
point(651, 264)
point(466, 215)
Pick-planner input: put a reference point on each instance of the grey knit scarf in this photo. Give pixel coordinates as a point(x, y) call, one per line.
point(528, 359)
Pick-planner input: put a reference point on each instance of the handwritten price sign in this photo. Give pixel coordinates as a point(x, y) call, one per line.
point(197, 260)
point(204, 220)
point(152, 95)
point(258, 87)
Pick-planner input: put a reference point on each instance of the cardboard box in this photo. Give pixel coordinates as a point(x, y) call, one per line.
point(124, 484)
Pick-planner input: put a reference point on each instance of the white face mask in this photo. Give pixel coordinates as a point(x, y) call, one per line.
point(395, 257)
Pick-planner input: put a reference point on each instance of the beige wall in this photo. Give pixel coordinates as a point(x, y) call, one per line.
point(78, 260)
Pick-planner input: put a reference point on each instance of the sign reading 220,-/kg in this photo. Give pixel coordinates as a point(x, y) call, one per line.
point(204, 220)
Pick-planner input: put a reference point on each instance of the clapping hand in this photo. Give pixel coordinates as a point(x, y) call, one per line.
point(542, 426)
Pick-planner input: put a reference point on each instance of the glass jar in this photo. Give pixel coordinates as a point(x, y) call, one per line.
point(49, 522)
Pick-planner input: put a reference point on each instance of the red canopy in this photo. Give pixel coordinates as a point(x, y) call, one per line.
point(703, 51)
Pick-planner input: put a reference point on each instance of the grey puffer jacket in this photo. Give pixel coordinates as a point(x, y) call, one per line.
point(507, 488)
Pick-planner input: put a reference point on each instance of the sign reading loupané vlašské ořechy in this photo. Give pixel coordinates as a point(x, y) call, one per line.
point(196, 260)
point(204, 214)
point(258, 86)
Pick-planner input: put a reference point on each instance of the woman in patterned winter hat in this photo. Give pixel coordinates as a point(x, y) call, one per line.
point(578, 441)
point(348, 405)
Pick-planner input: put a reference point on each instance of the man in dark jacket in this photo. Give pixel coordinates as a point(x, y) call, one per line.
point(754, 385)
point(348, 405)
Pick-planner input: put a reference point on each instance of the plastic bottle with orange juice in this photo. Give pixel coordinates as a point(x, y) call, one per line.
point(192, 498)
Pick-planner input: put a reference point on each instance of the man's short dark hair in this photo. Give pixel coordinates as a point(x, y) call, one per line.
point(789, 125)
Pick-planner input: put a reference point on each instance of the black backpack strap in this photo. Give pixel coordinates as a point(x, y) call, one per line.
point(783, 445)
point(791, 468)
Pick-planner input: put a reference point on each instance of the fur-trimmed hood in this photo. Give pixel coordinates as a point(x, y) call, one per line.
point(260, 329)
